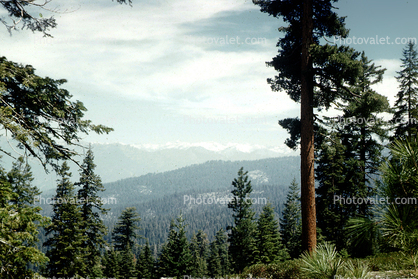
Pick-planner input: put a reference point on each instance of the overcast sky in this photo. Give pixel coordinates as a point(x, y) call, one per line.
point(192, 71)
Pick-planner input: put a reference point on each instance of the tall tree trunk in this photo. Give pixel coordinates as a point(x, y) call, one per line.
point(307, 134)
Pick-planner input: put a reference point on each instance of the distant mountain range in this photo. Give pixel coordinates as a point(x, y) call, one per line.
point(118, 161)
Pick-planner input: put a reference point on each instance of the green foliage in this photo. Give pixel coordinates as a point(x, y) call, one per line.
point(145, 263)
point(406, 105)
point(175, 258)
point(269, 245)
point(65, 240)
point(218, 261)
point(349, 154)
point(40, 115)
point(126, 264)
point(111, 260)
point(290, 222)
point(199, 249)
point(20, 221)
point(285, 270)
point(91, 207)
point(322, 263)
point(242, 238)
point(125, 232)
point(356, 269)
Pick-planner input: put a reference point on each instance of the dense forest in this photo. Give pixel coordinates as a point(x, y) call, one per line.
point(352, 214)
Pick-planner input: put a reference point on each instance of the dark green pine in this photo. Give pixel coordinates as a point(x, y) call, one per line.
point(405, 118)
point(111, 264)
point(175, 259)
point(199, 252)
point(290, 222)
point(145, 263)
point(242, 238)
point(91, 207)
point(125, 232)
point(65, 240)
point(270, 247)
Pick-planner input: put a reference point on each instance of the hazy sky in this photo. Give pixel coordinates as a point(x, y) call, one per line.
point(161, 70)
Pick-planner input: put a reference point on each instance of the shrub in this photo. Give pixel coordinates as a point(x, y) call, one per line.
point(323, 263)
point(283, 270)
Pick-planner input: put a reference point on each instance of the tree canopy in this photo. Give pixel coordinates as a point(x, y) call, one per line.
point(40, 115)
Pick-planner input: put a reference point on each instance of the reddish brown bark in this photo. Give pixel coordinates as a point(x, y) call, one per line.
point(307, 134)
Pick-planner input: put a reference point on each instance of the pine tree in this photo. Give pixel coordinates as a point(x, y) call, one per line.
point(269, 245)
point(218, 261)
point(349, 156)
point(125, 232)
point(406, 110)
point(65, 240)
point(91, 207)
point(242, 238)
point(214, 261)
point(331, 176)
point(127, 265)
point(20, 177)
point(175, 259)
point(111, 263)
point(313, 74)
point(290, 223)
point(20, 221)
point(199, 252)
point(145, 263)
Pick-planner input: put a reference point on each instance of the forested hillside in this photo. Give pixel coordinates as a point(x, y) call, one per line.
point(161, 197)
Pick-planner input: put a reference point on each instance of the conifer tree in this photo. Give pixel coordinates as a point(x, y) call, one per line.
point(20, 221)
point(313, 74)
point(269, 245)
point(175, 259)
point(290, 222)
point(66, 255)
point(91, 207)
point(350, 155)
point(199, 252)
point(20, 177)
point(331, 177)
point(405, 117)
point(145, 263)
point(125, 232)
point(127, 265)
point(214, 261)
point(218, 261)
point(111, 263)
point(242, 238)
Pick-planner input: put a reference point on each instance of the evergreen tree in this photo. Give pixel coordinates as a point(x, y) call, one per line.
point(91, 208)
point(111, 263)
point(20, 177)
point(405, 117)
point(20, 221)
point(270, 247)
point(127, 265)
point(39, 114)
point(125, 232)
point(313, 74)
point(66, 255)
point(290, 223)
point(214, 261)
point(349, 156)
point(175, 259)
point(331, 176)
point(145, 263)
point(199, 252)
point(242, 238)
